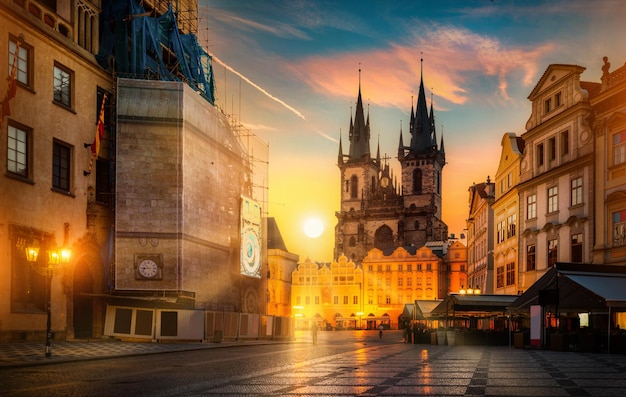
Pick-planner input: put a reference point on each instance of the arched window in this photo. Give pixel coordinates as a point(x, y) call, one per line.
point(417, 181)
point(354, 186)
point(383, 238)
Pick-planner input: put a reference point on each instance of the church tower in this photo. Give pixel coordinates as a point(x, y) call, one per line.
point(422, 164)
point(378, 212)
point(370, 200)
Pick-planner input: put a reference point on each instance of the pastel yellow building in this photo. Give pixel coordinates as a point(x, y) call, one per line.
point(343, 295)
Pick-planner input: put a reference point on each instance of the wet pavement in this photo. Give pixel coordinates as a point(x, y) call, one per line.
point(377, 368)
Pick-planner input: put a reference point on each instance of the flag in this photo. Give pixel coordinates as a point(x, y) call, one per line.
point(5, 109)
point(95, 146)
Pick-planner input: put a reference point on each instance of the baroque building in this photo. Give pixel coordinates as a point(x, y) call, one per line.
point(609, 128)
point(377, 211)
point(480, 237)
point(556, 189)
point(505, 215)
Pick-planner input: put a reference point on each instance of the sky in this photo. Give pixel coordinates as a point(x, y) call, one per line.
point(289, 72)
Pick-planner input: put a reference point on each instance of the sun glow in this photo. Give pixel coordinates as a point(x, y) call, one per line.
point(313, 227)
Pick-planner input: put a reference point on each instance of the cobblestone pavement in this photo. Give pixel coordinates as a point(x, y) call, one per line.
point(427, 370)
point(388, 368)
point(32, 353)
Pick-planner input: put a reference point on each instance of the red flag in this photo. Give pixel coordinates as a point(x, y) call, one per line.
point(5, 110)
point(95, 146)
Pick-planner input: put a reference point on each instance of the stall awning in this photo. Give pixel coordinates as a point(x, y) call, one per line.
point(466, 303)
point(578, 286)
point(424, 309)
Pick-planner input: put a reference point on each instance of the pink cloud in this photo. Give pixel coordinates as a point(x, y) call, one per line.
point(452, 58)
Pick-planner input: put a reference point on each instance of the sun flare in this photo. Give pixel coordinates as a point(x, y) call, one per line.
point(313, 227)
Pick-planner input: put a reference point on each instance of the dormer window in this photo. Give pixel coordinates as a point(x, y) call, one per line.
point(547, 105)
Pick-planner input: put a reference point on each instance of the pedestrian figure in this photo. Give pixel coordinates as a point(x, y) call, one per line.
point(314, 333)
point(380, 331)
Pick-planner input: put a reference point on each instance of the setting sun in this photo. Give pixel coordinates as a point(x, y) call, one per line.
point(313, 227)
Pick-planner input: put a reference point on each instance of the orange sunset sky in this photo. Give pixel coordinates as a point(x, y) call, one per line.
point(289, 72)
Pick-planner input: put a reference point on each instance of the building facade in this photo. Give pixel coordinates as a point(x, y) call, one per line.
point(345, 295)
point(506, 214)
point(480, 237)
point(609, 128)
point(47, 201)
point(556, 190)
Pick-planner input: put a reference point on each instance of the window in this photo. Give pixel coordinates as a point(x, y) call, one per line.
point(345, 299)
point(399, 268)
point(409, 267)
point(388, 282)
point(500, 277)
point(619, 148)
point(619, 228)
point(429, 267)
point(380, 268)
point(28, 288)
point(18, 150)
point(355, 300)
point(388, 299)
point(417, 181)
point(409, 282)
point(370, 268)
point(564, 143)
point(577, 247)
point(552, 148)
point(511, 225)
point(298, 300)
point(400, 279)
point(552, 252)
point(547, 105)
point(354, 187)
point(553, 199)
point(531, 206)
point(388, 267)
point(558, 100)
point(317, 300)
point(61, 166)
point(576, 191)
point(540, 155)
point(510, 274)
point(62, 85)
point(501, 232)
point(530, 258)
point(335, 300)
point(307, 300)
point(24, 58)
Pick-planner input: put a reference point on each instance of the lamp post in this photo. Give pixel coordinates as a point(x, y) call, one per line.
point(56, 258)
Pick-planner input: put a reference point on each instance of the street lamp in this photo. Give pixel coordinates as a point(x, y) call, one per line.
point(56, 258)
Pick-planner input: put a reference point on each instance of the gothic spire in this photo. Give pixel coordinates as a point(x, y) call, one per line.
point(421, 140)
point(359, 131)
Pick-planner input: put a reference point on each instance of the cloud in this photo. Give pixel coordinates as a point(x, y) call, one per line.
point(453, 59)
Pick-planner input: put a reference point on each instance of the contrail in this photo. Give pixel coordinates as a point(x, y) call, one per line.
point(294, 111)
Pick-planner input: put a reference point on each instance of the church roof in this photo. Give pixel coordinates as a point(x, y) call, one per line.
point(274, 238)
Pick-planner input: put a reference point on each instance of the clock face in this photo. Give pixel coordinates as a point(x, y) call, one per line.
point(251, 252)
point(148, 268)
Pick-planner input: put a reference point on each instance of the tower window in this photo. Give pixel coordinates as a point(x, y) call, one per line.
point(417, 181)
point(354, 186)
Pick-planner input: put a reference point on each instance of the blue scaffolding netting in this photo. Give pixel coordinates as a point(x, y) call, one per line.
point(135, 42)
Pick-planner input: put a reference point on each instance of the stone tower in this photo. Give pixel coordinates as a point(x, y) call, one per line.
point(376, 210)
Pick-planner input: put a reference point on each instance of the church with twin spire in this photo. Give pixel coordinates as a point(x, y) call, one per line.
point(378, 210)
